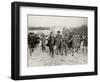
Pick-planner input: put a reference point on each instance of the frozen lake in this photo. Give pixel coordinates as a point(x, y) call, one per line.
point(40, 58)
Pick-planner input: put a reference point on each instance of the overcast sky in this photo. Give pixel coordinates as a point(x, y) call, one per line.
point(49, 21)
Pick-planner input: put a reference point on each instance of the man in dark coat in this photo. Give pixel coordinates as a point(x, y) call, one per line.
point(58, 42)
point(85, 43)
point(37, 40)
point(31, 42)
point(70, 42)
point(43, 42)
point(64, 44)
point(51, 43)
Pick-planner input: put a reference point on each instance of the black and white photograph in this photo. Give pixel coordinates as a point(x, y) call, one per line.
point(57, 40)
point(53, 40)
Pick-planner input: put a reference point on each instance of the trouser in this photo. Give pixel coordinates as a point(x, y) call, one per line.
point(58, 49)
point(51, 49)
point(31, 50)
point(43, 47)
point(64, 49)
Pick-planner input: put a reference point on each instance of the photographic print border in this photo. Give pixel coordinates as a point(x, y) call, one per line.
point(15, 40)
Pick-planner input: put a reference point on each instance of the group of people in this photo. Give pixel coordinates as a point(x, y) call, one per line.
point(57, 44)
